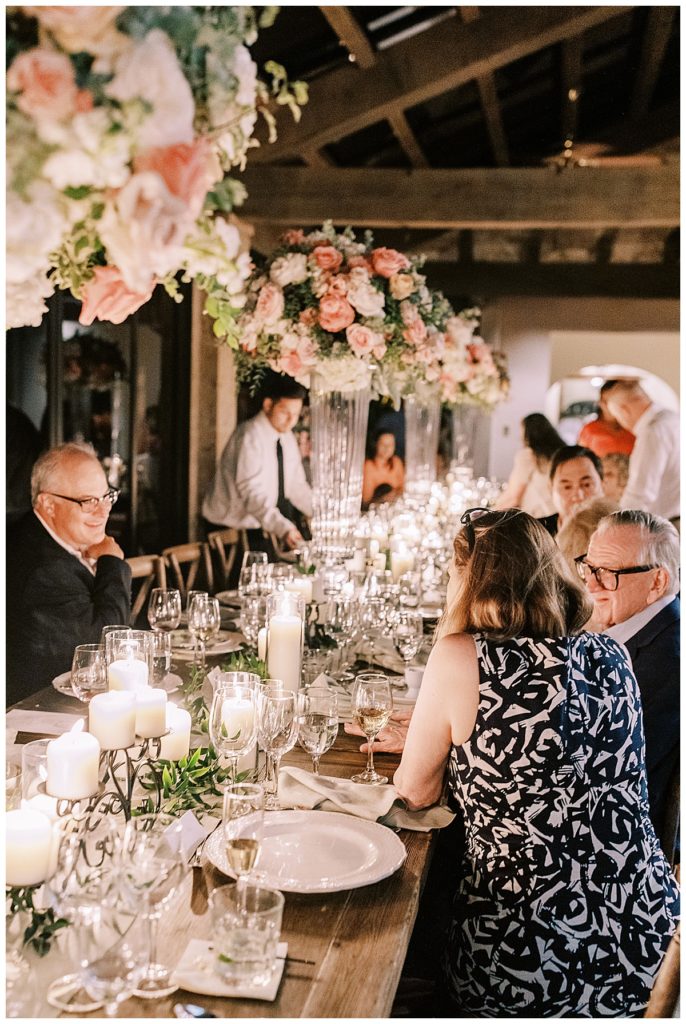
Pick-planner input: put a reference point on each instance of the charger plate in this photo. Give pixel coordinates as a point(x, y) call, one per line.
point(318, 851)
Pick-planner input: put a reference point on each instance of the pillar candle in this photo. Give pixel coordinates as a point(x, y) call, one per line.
point(151, 712)
point(112, 719)
point(238, 717)
point(301, 585)
point(359, 560)
point(379, 563)
point(73, 760)
point(262, 644)
point(177, 743)
point(284, 649)
point(374, 548)
point(401, 562)
point(28, 844)
point(127, 674)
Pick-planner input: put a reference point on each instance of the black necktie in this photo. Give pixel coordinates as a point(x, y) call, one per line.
point(281, 499)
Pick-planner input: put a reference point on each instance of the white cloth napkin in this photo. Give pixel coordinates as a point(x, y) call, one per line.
point(195, 973)
point(299, 788)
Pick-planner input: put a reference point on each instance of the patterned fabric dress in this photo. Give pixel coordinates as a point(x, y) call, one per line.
point(566, 903)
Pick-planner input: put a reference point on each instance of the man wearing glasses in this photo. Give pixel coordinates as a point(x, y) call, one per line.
point(66, 578)
point(631, 571)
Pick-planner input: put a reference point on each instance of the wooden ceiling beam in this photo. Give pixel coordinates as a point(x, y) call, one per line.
point(351, 36)
point(488, 94)
point(588, 197)
point(660, 20)
point(407, 139)
point(430, 63)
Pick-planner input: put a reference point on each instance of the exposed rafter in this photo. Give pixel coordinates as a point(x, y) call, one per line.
point(351, 35)
point(660, 20)
point(489, 103)
point(407, 140)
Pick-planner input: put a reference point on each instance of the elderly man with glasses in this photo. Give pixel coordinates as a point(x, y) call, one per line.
point(66, 578)
point(631, 571)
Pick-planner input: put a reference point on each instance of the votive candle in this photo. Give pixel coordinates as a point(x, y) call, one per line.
point(127, 674)
point(177, 743)
point(151, 712)
point(73, 760)
point(112, 719)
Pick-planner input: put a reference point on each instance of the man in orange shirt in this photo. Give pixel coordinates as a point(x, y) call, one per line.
point(604, 435)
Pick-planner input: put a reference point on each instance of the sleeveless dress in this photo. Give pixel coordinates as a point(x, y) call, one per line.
point(566, 903)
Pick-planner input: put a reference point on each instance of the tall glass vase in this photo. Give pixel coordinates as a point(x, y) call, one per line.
point(422, 425)
point(465, 419)
point(338, 421)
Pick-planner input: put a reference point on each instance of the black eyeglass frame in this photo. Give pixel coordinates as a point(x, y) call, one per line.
point(111, 496)
point(579, 561)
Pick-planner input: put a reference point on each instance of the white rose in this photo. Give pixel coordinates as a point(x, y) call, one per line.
point(84, 28)
point(150, 71)
point(245, 70)
point(289, 269)
point(24, 300)
point(365, 298)
point(33, 230)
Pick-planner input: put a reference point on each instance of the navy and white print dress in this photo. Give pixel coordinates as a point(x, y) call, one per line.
point(566, 903)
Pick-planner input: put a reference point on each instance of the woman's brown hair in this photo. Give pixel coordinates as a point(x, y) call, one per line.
point(513, 581)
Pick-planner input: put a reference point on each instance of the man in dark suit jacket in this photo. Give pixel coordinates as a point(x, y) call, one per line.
point(576, 476)
point(66, 578)
point(643, 612)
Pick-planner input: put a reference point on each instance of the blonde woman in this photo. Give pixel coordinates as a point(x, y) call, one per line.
point(572, 538)
point(564, 902)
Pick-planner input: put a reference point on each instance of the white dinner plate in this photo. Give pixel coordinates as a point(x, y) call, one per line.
point(62, 684)
point(318, 851)
point(229, 597)
point(224, 643)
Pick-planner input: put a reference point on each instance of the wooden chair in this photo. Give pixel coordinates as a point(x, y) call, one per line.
point(669, 833)
point(283, 554)
point(184, 561)
point(665, 994)
point(150, 569)
point(224, 545)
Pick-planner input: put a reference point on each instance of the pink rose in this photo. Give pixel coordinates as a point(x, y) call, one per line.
point(363, 340)
point(388, 262)
point(294, 236)
point(269, 304)
point(360, 261)
point(409, 312)
point(338, 285)
point(189, 170)
point(106, 297)
point(401, 285)
point(335, 314)
point(415, 333)
point(289, 363)
point(327, 257)
point(46, 84)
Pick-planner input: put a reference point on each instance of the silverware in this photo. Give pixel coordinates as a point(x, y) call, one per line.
point(184, 1010)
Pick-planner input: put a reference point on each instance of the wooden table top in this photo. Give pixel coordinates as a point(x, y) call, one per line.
point(357, 939)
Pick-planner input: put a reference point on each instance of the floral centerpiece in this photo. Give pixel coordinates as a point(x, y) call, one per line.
point(325, 303)
point(472, 373)
point(122, 123)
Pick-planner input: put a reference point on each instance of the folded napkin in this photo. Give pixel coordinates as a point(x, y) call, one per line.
point(299, 788)
point(195, 973)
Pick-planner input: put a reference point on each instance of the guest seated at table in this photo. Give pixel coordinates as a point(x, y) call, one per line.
point(529, 485)
point(572, 539)
point(384, 474)
point(576, 475)
point(564, 903)
point(615, 475)
point(66, 578)
point(639, 607)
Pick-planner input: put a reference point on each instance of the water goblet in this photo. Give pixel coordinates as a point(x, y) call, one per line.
point(232, 722)
point(161, 656)
point(408, 633)
point(277, 731)
point(371, 624)
point(204, 620)
point(242, 822)
point(372, 703)
point(253, 616)
point(317, 722)
point(164, 609)
point(88, 671)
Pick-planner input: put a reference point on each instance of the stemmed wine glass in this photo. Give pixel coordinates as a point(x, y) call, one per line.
point(372, 703)
point(317, 722)
point(408, 632)
point(277, 731)
point(153, 866)
point(204, 620)
point(253, 617)
point(164, 609)
point(88, 671)
point(232, 722)
point(243, 821)
point(110, 966)
point(371, 624)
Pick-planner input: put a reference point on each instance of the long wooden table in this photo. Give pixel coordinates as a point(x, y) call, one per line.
point(357, 939)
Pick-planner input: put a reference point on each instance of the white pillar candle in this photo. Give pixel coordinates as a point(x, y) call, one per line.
point(284, 649)
point(127, 674)
point(151, 712)
point(359, 560)
point(262, 643)
point(238, 716)
point(112, 719)
point(374, 548)
point(301, 585)
point(177, 743)
point(73, 760)
point(379, 563)
point(28, 844)
point(401, 562)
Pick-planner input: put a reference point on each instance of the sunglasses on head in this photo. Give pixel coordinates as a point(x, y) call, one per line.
point(472, 516)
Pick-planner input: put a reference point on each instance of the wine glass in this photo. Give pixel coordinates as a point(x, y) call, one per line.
point(110, 966)
point(371, 624)
point(164, 609)
point(243, 821)
point(253, 617)
point(317, 722)
point(204, 619)
point(277, 731)
point(408, 633)
point(161, 656)
point(372, 703)
point(88, 671)
point(232, 722)
point(153, 866)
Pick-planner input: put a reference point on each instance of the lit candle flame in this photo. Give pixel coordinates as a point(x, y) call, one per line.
point(77, 726)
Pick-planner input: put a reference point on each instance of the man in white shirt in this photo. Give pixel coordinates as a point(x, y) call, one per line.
point(260, 483)
point(653, 483)
point(631, 571)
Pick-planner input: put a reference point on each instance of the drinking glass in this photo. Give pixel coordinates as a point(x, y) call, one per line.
point(232, 722)
point(164, 609)
point(152, 868)
point(128, 654)
point(372, 703)
point(106, 630)
point(277, 731)
point(317, 722)
point(254, 558)
point(189, 598)
point(408, 633)
point(13, 786)
point(34, 768)
point(110, 966)
point(88, 671)
point(204, 619)
point(253, 616)
point(371, 624)
point(246, 926)
point(161, 656)
point(242, 822)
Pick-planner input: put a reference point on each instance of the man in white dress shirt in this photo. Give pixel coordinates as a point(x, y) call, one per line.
point(653, 483)
point(260, 483)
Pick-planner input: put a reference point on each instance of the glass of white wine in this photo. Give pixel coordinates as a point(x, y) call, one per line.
point(372, 703)
point(243, 822)
point(317, 722)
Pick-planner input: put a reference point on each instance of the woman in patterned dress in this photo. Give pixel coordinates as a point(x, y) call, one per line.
point(565, 904)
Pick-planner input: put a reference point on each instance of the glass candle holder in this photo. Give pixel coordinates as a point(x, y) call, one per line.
point(129, 658)
point(285, 633)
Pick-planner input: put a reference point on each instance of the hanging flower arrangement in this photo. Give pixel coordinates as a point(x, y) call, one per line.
point(122, 123)
point(472, 373)
point(325, 303)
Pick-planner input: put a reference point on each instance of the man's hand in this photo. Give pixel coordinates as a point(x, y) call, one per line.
point(293, 539)
point(107, 546)
point(391, 739)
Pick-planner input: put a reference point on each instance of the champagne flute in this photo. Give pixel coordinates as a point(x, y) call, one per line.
point(372, 703)
point(204, 619)
point(164, 609)
point(408, 632)
point(277, 730)
point(88, 671)
point(317, 722)
point(232, 722)
point(243, 821)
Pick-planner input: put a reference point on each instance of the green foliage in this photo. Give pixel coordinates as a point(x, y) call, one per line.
point(245, 661)
point(193, 783)
point(43, 924)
